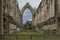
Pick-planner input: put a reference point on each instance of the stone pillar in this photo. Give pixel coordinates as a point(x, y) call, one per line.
point(1, 17)
point(32, 21)
point(57, 7)
point(57, 14)
point(21, 20)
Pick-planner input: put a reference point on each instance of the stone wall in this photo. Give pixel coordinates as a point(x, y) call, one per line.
point(45, 10)
point(12, 28)
point(1, 17)
point(11, 15)
point(47, 15)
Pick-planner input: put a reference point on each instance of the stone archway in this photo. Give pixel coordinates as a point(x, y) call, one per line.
point(25, 7)
point(30, 8)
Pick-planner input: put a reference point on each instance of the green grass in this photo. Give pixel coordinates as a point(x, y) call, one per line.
point(9, 37)
point(26, 35)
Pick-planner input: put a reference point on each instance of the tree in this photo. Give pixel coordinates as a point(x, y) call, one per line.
point(28, 25)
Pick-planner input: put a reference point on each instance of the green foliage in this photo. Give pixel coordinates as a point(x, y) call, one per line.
point(27, 25)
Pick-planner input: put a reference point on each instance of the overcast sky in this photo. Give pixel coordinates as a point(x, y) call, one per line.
point(27, 16)
point(33, 3)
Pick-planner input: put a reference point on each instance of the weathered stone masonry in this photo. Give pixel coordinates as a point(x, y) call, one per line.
point(10, 16)
point(45, 19)
point(1, 24)
point(47, 16)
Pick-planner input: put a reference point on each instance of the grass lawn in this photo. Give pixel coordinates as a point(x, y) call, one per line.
point(33, 38)
point(30, 35)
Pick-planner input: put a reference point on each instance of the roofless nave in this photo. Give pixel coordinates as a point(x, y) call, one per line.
point(45, 18)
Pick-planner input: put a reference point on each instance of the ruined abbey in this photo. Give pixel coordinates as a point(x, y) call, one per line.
point(45, 19)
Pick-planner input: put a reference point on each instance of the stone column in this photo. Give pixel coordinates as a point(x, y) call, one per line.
point(32, 21)
point(57, 7)
point(57, 14)
point(21, 20)
point(1, 17)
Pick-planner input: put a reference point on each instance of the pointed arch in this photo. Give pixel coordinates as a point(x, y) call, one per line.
point(27, 6)
point(26, 16)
